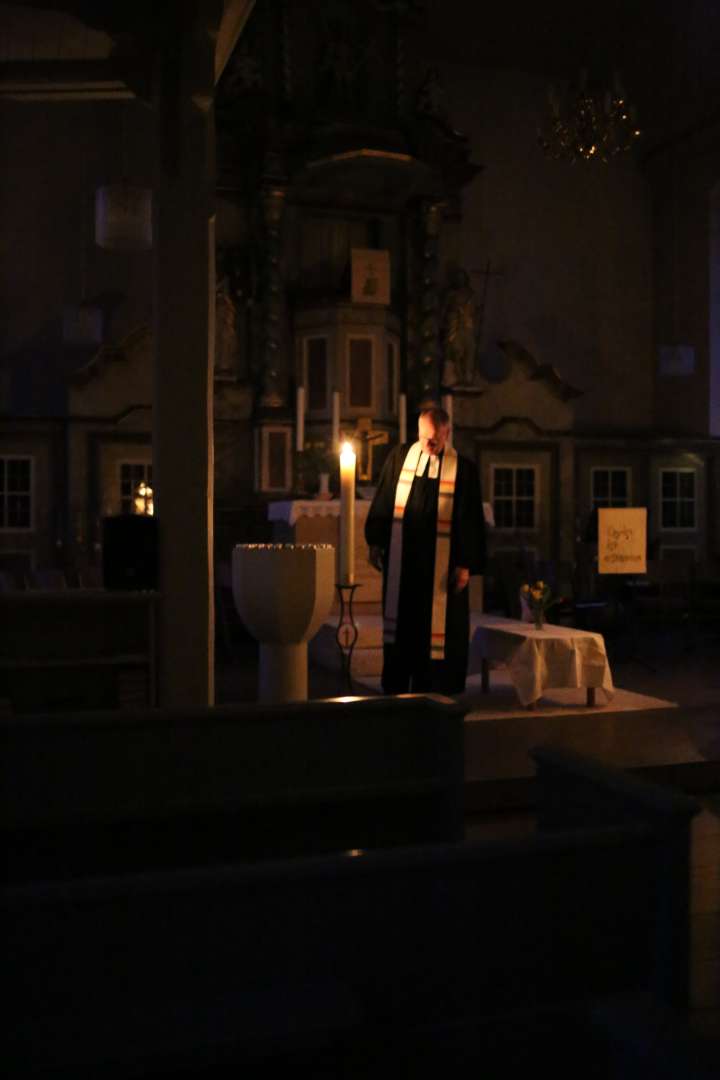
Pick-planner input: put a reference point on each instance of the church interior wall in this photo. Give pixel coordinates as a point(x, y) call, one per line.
point(517, 395)
point(682, 185)
point(54, 159)
point(574, 270)
point(577, 277)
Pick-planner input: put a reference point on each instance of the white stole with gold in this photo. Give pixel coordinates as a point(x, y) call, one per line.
point(414, 465)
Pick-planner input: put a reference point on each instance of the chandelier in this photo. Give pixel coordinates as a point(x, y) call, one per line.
point(586, 124)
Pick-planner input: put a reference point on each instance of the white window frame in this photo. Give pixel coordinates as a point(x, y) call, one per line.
point(263, 470)
point(135, 461)
point(611, 469)
point(26, 529)
point(350, 407)
point(678, 528)
point(306, 339)
point(536, 495)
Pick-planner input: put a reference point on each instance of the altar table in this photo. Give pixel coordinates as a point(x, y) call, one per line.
point(317, 521)
point(540, 660)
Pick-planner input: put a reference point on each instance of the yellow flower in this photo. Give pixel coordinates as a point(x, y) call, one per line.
point(540, 585)
point(536, 594)
point(525, 589)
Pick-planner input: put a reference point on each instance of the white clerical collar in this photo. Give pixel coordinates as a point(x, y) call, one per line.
point(434, 470)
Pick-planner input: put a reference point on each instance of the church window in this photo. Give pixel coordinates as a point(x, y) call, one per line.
point(16, 485)
point(360, 380)
point(677, 498)
point(514, 490)
point(316, 373)
point(132, 474)
point(610, 487)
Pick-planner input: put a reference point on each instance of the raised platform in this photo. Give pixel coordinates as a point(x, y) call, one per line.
point(677, 745)
point(654, 733)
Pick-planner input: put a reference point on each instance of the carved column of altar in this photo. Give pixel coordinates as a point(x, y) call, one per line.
point(428, 367)
point(274, 359)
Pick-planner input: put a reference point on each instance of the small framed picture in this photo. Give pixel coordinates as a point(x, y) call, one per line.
point(370, 276)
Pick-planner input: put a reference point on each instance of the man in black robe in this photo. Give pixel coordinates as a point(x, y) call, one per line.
point(407, 663)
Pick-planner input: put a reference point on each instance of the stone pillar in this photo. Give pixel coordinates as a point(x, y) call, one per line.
point(185, 347)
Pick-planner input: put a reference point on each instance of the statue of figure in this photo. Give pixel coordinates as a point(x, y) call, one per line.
point(430, 102)
point(460, 330)
point(226, 342)
point(342, 61)
point(431, 96)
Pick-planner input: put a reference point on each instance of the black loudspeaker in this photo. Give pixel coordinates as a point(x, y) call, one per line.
point(130, 552)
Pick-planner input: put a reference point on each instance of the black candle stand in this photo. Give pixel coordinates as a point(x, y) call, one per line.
point(346, 634)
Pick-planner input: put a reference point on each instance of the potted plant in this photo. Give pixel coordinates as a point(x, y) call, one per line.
point(313, 468)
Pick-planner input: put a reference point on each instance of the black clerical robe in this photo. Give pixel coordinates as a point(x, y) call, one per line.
point(407, 664)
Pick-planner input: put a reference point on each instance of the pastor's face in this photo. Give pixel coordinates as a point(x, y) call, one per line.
point(432, 436)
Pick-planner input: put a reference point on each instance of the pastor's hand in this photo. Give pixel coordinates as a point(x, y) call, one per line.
point(375, 555)
point(460, 578)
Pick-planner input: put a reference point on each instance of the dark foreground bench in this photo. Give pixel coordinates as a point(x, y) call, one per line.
point(111, 792)
point(335, 958)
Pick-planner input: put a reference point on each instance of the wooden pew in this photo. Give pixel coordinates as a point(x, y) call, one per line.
point(340, 958)
point(110, 792)
point(575, 792)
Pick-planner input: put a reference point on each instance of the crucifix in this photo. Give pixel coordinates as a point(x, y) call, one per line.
point(367, 436)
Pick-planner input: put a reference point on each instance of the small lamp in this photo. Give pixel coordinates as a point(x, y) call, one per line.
point(143, 499)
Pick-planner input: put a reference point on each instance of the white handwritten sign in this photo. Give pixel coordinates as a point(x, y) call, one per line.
point(622, 540)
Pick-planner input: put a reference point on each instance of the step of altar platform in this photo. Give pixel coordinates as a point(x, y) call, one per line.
point(367, 657)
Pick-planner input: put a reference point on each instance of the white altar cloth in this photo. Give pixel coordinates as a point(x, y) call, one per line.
point(290, 510)
point(539, 660)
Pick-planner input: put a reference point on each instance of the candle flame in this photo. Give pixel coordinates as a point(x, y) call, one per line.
point(347, 454)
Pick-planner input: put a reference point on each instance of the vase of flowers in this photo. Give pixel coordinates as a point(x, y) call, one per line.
point(536, 598)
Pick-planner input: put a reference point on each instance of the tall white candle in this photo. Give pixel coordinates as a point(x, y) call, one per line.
point(402, 418)
point(447, 404)
point(347, 516)
point(300, 419)
point(336, 420)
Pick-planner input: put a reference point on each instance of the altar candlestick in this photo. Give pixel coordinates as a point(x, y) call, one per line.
point(336, 420)
point(447, 404)
point(300, 419)
point(402, 418)
point(347, 516)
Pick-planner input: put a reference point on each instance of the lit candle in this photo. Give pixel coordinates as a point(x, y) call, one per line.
point(447, 404)
point(336, 420)
point(402, 418)
point(300, 419)
point(347, 516)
